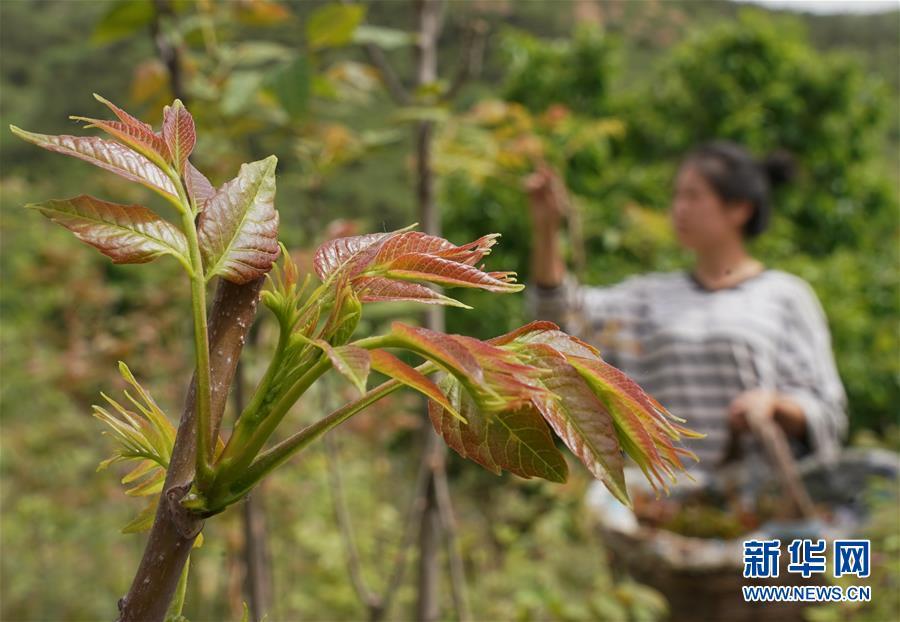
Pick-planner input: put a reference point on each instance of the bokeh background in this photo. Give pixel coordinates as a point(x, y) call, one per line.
point(609, 92)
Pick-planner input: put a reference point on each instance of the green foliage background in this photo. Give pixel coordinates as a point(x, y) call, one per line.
point(659, 78)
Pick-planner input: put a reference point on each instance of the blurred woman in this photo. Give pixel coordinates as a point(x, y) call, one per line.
point(727, 337)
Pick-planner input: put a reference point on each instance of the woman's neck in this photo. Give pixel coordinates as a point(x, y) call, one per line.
point(725, 266)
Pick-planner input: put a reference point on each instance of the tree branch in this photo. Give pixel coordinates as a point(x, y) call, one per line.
point(168, 53)
point(174, 528)
point(454, 557)
point(342, 516)
point(472, 57)
point(391, 81)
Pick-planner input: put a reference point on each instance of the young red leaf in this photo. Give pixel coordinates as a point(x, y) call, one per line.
point(380, 289)
point(372, 261)
point(238, 229)
point(402, 243)
point(549, 334)
point(517, 440)
point(422, 267)
point(125, 233)
point(580, 419)
point(108, 155)
point(440, 348)
point(140, 138)
point(179, 133)
point(351, 361)
point(645, 429)
point(346, 253)
point(198, 186)
point(392, 367)
point(123, 116)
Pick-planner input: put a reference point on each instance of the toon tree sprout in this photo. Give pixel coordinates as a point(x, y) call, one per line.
point(496, 402)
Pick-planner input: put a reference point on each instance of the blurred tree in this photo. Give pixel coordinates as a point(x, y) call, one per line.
point(756, 81)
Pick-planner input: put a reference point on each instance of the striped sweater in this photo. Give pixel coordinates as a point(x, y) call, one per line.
point(695, 349)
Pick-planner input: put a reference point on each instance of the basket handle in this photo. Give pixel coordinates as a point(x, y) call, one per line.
point(777, 450)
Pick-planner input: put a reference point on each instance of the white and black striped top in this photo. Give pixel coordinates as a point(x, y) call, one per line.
point(695, 349)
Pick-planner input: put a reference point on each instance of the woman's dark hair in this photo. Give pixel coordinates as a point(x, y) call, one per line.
point(735, 175)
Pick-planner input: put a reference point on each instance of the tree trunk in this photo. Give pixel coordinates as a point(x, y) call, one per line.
point(174, 528)
point(428, 14)
point(257, 567)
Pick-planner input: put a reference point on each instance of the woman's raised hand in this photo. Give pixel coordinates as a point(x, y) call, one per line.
point(547, 196)
point(549, 203)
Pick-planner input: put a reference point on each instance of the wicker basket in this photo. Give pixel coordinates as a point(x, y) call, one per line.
point(702, 578)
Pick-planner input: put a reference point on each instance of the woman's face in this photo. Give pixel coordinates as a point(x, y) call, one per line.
point(700, 217)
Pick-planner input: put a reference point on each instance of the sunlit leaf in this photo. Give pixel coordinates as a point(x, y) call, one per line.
point(143, 521)
point(333, 25)
point(108, 155)
point(124, 233)
point(123, 18)
point(145, 437)
point(238, 229)
point(385, 38)
point(292, 86)
point(260, 12)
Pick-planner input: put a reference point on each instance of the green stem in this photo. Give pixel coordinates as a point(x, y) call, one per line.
point(275, 456)
point(201, 352)
point(272, 458)
point(254, 435)
point(203, 415)
point(257, 406)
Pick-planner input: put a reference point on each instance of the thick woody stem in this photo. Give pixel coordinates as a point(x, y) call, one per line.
point(174, 528)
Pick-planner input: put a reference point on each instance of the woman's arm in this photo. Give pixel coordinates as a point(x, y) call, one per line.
point(788, 413)
point(808, 399)
point(605, 316)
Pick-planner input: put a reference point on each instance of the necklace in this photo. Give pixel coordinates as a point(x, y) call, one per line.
point(747, 269)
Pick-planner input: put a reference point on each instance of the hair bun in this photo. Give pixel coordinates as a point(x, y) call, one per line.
point(780, 167)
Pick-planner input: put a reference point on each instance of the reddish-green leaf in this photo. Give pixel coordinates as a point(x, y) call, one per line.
point(422, 267)
point(549, 334)
point(380, 289)
point(440, 348)
point(179, 133)
point(580, 419)
point(123, 116)
point(125, 233)
point(372, 261)
point(238, 229)
point(404, 242)
point(108, 155)
point(351, 361)
point(389, 365)
point(346, 253)
point(644, 427)
point(517, 440)
point(139, 137)
point(198, 186)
